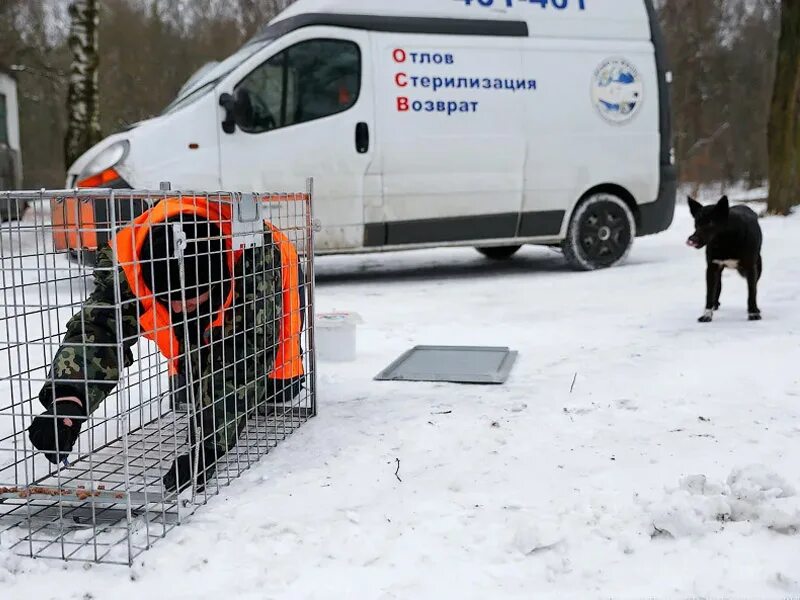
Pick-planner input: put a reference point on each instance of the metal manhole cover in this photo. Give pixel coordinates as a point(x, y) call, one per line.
point(454, 364)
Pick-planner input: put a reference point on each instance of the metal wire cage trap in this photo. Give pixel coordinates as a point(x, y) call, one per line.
point(132, 390)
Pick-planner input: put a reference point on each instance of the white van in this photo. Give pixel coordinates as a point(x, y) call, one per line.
point(490, 123)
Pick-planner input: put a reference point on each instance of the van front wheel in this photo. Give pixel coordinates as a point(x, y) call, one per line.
point(600, 234)
point(499, 252)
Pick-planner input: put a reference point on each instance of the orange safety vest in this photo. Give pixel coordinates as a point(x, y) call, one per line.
point(155, 322)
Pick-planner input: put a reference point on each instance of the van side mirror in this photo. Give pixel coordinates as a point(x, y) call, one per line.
point(227, 102)
point(238, 111)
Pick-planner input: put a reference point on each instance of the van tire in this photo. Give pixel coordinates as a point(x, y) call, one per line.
point(600, 233)
point(499, 252)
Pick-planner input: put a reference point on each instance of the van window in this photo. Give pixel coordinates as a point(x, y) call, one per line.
point(3, 121)
point(308, 81)
point(205, 79)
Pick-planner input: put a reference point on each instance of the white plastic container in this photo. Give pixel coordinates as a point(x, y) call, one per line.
point(335, 336)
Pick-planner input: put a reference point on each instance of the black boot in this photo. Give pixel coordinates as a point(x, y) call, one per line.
point(179, 475)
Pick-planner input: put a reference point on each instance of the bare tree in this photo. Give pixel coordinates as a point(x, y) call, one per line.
point(83, 106)
point(255, 14)
point(784, 122)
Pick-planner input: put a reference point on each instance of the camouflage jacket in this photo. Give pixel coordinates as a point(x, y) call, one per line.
point(228, 364)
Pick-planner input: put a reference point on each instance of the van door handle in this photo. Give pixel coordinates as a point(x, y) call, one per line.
point(362, 138)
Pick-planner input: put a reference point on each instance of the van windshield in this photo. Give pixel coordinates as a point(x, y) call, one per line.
point(211, 75)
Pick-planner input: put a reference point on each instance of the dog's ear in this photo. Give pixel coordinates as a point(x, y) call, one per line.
point(694, 206)
point(722, 209)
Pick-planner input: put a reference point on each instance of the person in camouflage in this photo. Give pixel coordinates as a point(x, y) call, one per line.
point(221, 360)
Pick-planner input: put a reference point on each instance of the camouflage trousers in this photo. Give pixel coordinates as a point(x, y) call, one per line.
point(220, 393)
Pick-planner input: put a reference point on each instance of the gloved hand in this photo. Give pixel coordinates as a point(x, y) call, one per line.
point(55, 431)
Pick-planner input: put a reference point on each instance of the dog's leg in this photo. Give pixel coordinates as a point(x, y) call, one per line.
point(752, 289)
point(718, 288)
point(713, 273)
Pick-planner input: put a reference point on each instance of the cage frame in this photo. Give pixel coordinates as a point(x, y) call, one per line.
point(110, 519)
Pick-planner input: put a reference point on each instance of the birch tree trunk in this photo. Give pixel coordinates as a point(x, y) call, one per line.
point(784, 121)
point(83, 109)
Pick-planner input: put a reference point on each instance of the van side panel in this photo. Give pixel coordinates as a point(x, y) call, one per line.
point(450, 138)
point(578, 136)
point(568, 146)
point(581, 19)
point(599, 19)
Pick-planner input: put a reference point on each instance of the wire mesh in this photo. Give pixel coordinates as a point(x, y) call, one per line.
point(134, 388)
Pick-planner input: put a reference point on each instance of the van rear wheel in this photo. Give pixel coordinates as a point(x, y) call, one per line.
point(499, 252)
point(600, 234)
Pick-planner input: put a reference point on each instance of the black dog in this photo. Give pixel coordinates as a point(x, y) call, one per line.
point(732, 237)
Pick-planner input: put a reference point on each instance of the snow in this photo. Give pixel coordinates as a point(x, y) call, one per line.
point(669, 470)
point(738, 191)
point(753, 494)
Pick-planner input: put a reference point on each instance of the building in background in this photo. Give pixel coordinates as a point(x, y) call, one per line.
point(10, 155)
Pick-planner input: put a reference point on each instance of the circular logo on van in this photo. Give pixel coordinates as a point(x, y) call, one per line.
point(617, 90)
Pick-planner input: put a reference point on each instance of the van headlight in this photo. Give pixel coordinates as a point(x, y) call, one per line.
point(107, 159)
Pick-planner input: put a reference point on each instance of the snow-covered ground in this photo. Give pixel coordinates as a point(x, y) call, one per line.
point(711, 192)
point(670, 469)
